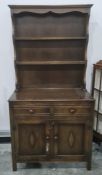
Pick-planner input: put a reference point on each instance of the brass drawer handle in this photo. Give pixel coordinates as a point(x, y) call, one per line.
point(31, 111)
point(56, 137)
point(72, 110)
point(47, 148)
point(47, 137)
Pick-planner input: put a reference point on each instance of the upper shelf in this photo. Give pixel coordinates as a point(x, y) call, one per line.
point(48, 38)
point(49, 62)
point(58, 9)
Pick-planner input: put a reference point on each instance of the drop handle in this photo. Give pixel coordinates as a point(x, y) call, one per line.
point(47, 137)
point(31, 111)
point(72, 110)
point(56, 137)
point(47, 148)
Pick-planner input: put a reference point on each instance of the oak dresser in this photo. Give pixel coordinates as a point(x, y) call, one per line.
point(51, 112)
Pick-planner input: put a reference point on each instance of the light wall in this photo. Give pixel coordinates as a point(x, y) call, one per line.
point(7, 73)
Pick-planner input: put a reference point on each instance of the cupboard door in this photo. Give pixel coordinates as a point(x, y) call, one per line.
point(69, 138)
point(30, 138)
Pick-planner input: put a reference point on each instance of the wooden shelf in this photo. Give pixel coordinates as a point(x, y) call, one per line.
point(49, 62)
point(48, 38)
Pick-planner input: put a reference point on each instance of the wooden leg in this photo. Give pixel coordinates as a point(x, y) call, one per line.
point(89, 164)
point(14, 165)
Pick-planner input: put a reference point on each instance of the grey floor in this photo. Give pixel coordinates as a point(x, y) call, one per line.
point(50, 169)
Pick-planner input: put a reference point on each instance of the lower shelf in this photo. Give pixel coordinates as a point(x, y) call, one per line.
point(52, 62)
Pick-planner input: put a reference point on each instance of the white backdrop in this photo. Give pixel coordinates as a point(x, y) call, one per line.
point(7, 74)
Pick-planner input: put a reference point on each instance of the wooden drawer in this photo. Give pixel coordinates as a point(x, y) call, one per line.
point(53, 110)
point(42, 110)
point(72, 110)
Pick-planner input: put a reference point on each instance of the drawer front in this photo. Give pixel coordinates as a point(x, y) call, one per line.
point(72, 110)
point(42, 110)
point(53, 111)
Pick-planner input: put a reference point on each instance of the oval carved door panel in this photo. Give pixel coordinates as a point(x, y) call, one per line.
point(31, 139)
point(70, 138)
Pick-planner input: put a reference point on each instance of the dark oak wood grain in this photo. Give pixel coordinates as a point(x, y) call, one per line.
point(51, 113)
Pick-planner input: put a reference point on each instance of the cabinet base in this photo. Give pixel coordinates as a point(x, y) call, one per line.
point(38, 165)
